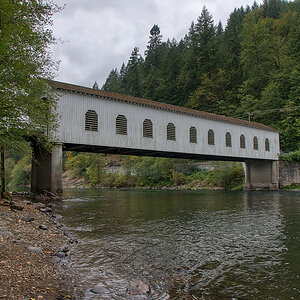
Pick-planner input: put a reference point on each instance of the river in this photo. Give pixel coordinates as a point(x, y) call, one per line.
point(185, 244)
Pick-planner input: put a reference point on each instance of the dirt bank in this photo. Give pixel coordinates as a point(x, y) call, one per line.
point(33, 253)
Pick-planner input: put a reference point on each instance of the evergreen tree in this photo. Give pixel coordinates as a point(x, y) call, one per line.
point(131, 82)
point(204, 42)
point(155, 39)
point(112, 83)
point(95, 86)
point(273, 8)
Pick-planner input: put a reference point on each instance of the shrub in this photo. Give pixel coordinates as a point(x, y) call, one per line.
point(292, 156)
point(20, 174)
point(151, 171)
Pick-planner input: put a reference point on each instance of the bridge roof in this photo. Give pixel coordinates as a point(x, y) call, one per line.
point(155, 104)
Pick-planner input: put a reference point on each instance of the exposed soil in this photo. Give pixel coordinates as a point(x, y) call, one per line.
point(33, 253)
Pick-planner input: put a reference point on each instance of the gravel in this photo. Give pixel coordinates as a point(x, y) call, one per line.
point(27, 268)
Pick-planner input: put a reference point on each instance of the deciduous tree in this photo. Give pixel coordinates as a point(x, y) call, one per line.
point(26, 101)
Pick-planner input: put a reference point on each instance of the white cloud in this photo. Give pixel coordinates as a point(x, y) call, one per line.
point(99, 35)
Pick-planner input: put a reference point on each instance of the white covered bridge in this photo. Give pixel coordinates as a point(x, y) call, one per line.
point(92, 120)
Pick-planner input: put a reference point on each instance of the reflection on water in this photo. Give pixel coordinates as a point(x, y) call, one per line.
point(187, 245)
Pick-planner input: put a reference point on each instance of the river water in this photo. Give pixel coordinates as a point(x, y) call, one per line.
point(185, 244)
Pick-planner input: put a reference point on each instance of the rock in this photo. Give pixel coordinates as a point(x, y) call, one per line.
point(7, 195)
point(43, 227)
point(60, 254)
point(46, 209)
point(55, 260)
point(72, 241)
point(27, 219)
point(28, 202)
point(39, 205)
point(18, 240)
point(5, 232)
point(13, 205)
point(65, 248)
point(57, 216)
point(4, 203)
point(99, 289)
point(35, 249)
point(142, 287)
point(64, 262)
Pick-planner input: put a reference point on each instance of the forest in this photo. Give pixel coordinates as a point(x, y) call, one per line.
point(249, 69)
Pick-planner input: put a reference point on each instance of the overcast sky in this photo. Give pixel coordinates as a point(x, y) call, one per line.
point(99, 35)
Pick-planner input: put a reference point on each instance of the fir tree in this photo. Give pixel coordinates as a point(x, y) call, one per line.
point(95, 86)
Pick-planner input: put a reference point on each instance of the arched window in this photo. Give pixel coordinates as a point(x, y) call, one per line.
point(228, 139)
point(193, 135)
point(267, 145)
point(210, 137)
point(171, 132)
point(147, 128)
point(242, 141)
point(255, 143)
point(91, 121)
point(121, 125)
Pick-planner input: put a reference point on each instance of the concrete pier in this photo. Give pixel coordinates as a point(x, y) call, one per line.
point(261, 174)
point(46, 172)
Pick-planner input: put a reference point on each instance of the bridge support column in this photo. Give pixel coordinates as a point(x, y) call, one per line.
point(261, 174)
point(46, 170)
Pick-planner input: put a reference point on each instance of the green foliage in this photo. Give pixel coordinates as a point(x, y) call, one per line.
point(21, 172)
point(25, 63)
point(293, 186)
point(151, 171)
point(178, 178)
point(226, 177)
point(87, 165)
point(292, 156)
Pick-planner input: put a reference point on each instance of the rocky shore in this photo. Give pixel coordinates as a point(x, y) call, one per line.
point(34, 251)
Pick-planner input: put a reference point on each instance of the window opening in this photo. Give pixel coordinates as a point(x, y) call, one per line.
point(171, 132)
point(147, 128)
point(121, 125)
point(193, 135)
point(242, 142)
point(255, 143)
point(211, 137)
point(228, 139)
point(267, 145)
point(91, 120)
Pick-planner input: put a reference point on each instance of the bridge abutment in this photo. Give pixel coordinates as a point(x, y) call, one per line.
point(261, 174)
point(46, 170)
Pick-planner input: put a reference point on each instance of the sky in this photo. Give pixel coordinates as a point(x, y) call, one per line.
point(96, 36)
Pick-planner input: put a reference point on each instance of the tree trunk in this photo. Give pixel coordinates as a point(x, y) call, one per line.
point(2, 173)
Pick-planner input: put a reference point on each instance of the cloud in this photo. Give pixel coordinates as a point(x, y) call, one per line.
point(99, 35)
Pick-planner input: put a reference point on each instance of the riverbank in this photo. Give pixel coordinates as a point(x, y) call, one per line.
point(34, 250)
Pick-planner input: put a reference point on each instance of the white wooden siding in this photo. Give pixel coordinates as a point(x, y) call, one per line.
point(73, 106)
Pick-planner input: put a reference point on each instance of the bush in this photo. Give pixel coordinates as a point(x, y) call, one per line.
point(292, 156)
point(87, 165)
point(227, 177)
point(151, 171)
point(178, 178)
point(20, 174)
